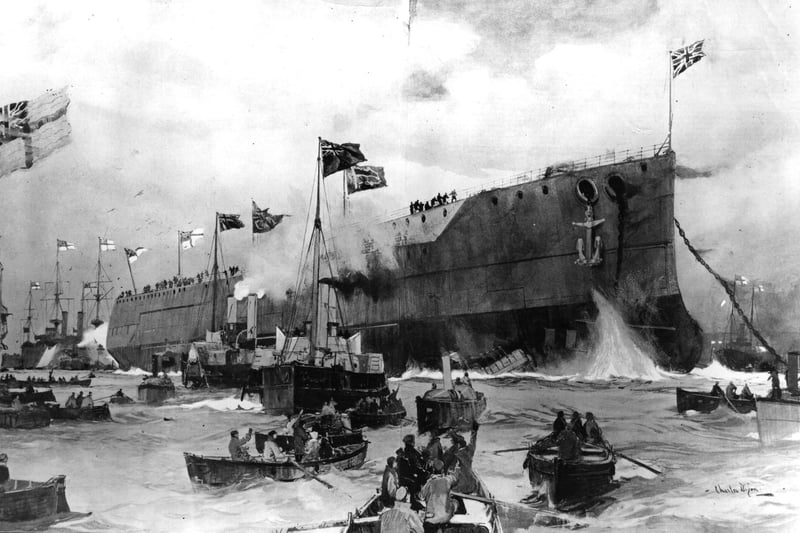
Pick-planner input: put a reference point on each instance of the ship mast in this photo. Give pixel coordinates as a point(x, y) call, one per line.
point(57, 296)
point(214, 276)
point(316, 339)
point(752, 305)
point(97, 322)
point(29, 321)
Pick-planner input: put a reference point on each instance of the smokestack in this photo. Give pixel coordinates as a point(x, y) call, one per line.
point(448, 379)
point(80, 322)
point(64, 316)
point(791, 375)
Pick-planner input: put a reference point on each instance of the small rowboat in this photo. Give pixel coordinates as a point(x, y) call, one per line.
point(393, 417)
point(475, 513)
point(567, 482)
point(99, 413)
point(28, 417)
point(222, 471)
point(286, 442)
point(705, 403)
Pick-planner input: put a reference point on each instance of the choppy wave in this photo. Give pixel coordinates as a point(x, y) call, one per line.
point(133, 371)
point(224, 404)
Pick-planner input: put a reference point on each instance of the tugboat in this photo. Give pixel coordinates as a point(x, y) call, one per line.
point(455, 406)
point(155, 388)
point(317, 363)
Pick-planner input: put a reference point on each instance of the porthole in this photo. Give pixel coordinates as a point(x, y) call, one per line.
point(423, 218)
point(545, 190)
point(494, 200)
point(615, 187)
point(586, 191)
point(519, 195)
point(444, 212)
point(643, 166)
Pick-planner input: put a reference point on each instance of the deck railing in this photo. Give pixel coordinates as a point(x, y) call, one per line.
point(609, 158)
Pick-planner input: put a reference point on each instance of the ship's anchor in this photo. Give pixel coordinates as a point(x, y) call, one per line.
point(595, 245)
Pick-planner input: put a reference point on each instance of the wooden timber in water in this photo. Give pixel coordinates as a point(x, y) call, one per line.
point(223, 471)
point(704, 402)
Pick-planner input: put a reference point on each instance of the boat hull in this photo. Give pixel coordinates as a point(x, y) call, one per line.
point(222, 471)
point(705, 403)
point(439, 414)
point(25, 500)
point(375, 420)
point(99, 413)
point(567, 482)
point(26, 418)
point(28, 397)
point(777, 420)
point(155, 393)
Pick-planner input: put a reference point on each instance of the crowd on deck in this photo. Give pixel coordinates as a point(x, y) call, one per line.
point(436, 201)
point(178, 281)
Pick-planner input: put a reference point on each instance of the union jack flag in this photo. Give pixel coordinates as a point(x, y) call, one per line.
point(685, 57)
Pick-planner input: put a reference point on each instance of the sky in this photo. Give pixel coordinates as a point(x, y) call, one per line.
point(183, 109)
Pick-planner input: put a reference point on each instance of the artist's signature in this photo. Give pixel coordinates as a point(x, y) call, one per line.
point(737, 488)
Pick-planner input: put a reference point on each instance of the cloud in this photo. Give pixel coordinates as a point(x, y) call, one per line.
point(423, 85)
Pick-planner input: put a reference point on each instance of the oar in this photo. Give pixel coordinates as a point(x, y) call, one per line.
point(631, 459)
point(318, 525)
point(310, 474)
point(509, 504)
point(526, 448)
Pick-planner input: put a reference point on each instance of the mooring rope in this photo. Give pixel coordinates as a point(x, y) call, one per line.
point(729, 291)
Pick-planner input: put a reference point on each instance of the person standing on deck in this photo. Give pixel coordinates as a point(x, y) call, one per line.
point(4, 474)
point(88, 402)
point(776, 385)
point(236, 446)
point(71, 402)
point(433, 450)
point(79, 400)
point(466, 480)
point(300, 438)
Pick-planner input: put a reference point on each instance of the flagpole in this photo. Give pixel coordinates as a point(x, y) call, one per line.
point(179, 253)
point(128, 259)
point(669, 134)
point(344, 192)
point(253, 228)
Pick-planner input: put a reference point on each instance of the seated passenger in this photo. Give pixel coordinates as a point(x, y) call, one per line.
point(569, 446)
point(730, 391)
point(747, 394)
point(716, 390)
point(273, 452)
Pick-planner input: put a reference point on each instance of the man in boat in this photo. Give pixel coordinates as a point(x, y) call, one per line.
point(466, 480)
point(559, 423)
point(16, 404)
point(399, 520)
point(4, 474)
point(119, 394)
point(79, 400)
point(389, 484)
point(71, 402)
point(300, 438)
point(747, 394)
point(291, 421)
point(433, 450)
point(594, 435)
point(88, 402)
point(327, 409)
point(236, 446)
point(325, 448)
point(439, 504)
point(730, 391)
point(273, 452)
point(569, 446)
point(776, 385)
point(312, 447)
point(716, 390)
point(576, 425)
point(410, 471)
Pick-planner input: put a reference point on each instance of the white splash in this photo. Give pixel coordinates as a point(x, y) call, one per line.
point(615, 352)
point(94, 335)
point(134, 371)
point(225, 404)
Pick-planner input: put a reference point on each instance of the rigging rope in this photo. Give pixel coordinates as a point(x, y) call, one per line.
point(729, 292)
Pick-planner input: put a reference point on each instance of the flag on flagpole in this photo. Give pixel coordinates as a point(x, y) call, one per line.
point(32, 130)
point(336, 157)
point(263, 221)
point(227, 222)
point(685, 57)
point(741, 279)
point(64, 245)
point(35, 286)
point(107, 245)
point(190, 238)
point(133, 255)
point(362, 178)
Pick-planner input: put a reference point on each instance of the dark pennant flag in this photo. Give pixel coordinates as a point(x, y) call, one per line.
point(336, 157)
point(364, 178)
point(227, 222)
point(263, 221)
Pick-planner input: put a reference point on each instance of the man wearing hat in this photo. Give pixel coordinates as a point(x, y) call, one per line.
point(461, 462)
point(410, 470)
point(433, 450)
point(4, 475)
point(236, 446)
point(273, 452)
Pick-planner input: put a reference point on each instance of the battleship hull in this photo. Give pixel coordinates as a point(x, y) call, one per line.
point(513, 266)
